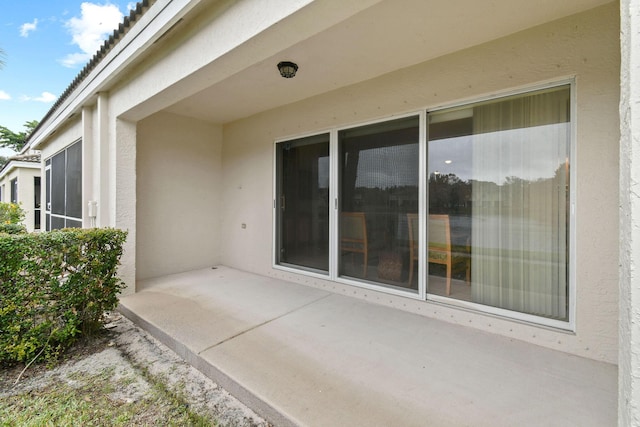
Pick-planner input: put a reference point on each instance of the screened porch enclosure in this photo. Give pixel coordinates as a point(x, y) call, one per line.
point(63, 192)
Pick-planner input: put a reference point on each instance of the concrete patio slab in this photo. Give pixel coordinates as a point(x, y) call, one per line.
point(301, 356)
point(206, 307)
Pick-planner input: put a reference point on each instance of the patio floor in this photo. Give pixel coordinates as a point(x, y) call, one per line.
point(298, 355)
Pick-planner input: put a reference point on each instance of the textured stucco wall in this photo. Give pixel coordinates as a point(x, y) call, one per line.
point(629, 354)
point(26, 196)
point(179, 186)
point(585, 46)
point(65, 136)
point(122, 195)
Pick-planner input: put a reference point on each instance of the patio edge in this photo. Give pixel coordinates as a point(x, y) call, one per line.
point(244, 395)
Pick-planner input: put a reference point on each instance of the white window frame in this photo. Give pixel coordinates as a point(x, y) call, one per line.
point(13, 185)
point(570, 324)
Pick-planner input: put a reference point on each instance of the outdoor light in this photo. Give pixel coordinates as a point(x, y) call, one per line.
point(287, 69)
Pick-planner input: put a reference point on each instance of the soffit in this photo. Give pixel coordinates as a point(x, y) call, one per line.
point(388, 36)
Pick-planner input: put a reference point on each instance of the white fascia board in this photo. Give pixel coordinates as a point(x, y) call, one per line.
point(150, 27)
point(18, 164)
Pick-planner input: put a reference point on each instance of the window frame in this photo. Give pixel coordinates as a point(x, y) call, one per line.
point(275, 229)
point(37, 202)
point(13, 184)
point(277, 263)
point(422, 294)
point(568, 325)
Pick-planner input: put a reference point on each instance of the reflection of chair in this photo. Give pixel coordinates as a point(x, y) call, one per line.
point(353, 235)
point(412, 221)
point(439, 243)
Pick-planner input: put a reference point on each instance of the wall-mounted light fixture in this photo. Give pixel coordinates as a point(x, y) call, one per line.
point(287, 69)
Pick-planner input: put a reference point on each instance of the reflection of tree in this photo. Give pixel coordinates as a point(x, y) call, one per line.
point(448, 194)
point(396, 198)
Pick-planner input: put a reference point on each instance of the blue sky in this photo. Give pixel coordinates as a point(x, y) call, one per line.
point(46, 43)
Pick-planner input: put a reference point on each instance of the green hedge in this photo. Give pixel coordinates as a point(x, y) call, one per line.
point(55, 286)
point(11, 218)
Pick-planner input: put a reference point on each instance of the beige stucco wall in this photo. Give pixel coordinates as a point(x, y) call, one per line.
point(26, 190)
point(585, 46)
point(629, 337)
point(65, 136)
point(178, 195)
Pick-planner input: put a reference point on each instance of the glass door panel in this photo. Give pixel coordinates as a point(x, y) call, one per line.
point(499, 184)
point(303, 203)
point(378, 227)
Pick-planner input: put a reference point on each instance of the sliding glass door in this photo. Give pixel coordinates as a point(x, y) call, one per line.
point(303, 203)
point(378, 193)
point(492, 230)
point(499, 175)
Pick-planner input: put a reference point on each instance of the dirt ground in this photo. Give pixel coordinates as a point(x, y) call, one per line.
point(129, 352)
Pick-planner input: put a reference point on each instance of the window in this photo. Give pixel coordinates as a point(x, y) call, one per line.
point(14, 190)
point(63, 174)
point(486, 227)
point(499, 171)
point(36, 202)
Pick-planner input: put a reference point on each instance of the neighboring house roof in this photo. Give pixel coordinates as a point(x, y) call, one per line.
point(29, 160)
point(118, 33)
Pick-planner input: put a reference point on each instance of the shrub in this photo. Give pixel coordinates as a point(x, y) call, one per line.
point(11, 217)
point(55, 287)
point(12, 228)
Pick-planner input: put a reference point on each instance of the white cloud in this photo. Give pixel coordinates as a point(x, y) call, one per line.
point(74, 59)
point(4, 96)
point(27, 27)
point(88, 32)
point(132, 5)
point(45, 97)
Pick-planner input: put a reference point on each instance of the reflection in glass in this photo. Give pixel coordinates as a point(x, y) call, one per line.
point(378, 187)
point(303, 202)
point(499, 171)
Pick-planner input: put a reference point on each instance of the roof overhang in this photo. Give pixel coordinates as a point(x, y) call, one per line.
point(17, 164)
point(335, 43)
point(387, 36)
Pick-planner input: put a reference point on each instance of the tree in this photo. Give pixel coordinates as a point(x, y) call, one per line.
point(3, 161)
point(13, 140)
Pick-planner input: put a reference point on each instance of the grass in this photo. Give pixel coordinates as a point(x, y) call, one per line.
point(89, 402)
point(99, 399)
